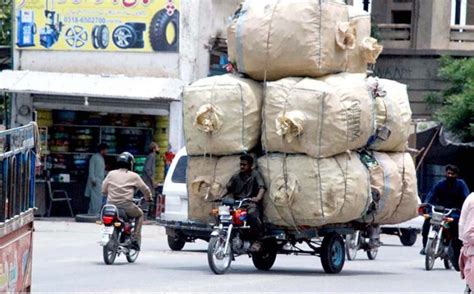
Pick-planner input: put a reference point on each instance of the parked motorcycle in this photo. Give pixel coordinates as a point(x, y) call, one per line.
point(360, 240)
point(439, 240)
point(228, 239)
point(117, 232)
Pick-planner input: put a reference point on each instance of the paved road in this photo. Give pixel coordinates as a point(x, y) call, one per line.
point(67, 258)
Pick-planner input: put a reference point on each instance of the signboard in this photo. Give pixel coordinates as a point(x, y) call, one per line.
point(15, 261)
point(98, 25)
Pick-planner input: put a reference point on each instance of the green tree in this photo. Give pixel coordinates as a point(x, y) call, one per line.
point(457, 100)
point(5, 22)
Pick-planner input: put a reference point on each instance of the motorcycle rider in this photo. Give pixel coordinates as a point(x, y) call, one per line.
point(119, 187)
point(449, 193)
point(248, 183)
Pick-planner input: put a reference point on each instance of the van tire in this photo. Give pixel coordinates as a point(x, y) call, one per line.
point(175, 243)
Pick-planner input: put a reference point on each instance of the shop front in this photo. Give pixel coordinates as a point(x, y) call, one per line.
point(79, 114)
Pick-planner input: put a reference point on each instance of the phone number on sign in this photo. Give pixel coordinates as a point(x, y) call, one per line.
point(83, 19)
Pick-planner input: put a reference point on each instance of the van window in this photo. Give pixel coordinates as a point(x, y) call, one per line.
point(179, 174)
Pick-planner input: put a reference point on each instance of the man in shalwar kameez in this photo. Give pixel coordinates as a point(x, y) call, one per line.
point(95, 179)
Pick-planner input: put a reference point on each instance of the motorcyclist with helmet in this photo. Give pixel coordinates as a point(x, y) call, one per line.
point(119, 186)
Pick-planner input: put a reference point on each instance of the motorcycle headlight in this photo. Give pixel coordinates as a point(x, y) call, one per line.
point(224, 210)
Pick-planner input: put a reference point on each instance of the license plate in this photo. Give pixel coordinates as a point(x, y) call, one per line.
point(107, 230)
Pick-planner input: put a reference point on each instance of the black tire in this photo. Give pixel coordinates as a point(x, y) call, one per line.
point(175, 243)
point(124, 36)
point(132, 255)
point(430, 256)
point(332, 253)
point(214, 243)
point(265, 260)
point(109, 251)
point(447, 263)
point(103, 37)
point(157, 33)
point(372, 253)
point(408, 237)
point(87, 218)
point(94, 35)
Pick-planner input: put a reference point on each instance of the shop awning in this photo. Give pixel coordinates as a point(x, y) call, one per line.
point(84, 85)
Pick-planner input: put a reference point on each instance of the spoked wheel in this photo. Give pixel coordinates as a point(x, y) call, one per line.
point(430, 253)
point(132, 255)
point(372, 253)
point(218, 257)
point(332, 253)
point(352, 245)
point(109, 251)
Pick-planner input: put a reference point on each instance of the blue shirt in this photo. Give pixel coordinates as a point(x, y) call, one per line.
point(447, 194)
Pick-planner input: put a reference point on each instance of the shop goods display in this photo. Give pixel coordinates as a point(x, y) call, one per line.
point(84, 139)
point(264, 36)
point(320, 118)
point(393, 115)
point(206, 179)
point(303, 191)
point(44, 118)
point(222, 115)
point(139, 164)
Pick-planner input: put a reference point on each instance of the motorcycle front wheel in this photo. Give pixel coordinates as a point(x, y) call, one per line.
point(132, 255)
point(352, 245)
point(109, 251)
point(219, 261)
point(430, 253)
point(372, 253)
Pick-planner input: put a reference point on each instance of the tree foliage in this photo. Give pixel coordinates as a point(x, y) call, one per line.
point(5, 22)
point(457, 100)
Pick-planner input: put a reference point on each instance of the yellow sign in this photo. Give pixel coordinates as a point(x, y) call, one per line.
point(98, 25)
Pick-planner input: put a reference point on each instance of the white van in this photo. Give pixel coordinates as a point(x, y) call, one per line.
point(174, 207)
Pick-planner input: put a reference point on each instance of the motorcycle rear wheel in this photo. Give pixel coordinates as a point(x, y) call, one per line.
point(109, 251)
point(372, 253)
point(216, 255)
point(264, 260)
point(430, 253)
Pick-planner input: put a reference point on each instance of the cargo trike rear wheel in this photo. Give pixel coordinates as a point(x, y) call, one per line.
point(332, 253)
point(264, 260)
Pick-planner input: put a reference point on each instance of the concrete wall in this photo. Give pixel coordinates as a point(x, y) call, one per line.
point(470, 12)
point(420, 73)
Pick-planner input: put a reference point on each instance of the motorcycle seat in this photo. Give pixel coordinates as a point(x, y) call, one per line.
point(122, 214)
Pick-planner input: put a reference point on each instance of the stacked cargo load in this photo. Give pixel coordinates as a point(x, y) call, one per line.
point(333, 141)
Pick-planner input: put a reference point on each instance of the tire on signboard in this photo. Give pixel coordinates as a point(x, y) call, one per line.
point(158, 31)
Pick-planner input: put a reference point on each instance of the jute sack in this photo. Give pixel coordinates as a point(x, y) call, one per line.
point(366, 49)
point(393, 115)
point(320, 118)
point(408, 200)
point(222, 115)
point(207, 177)
point(303, 191)
point(276, 39)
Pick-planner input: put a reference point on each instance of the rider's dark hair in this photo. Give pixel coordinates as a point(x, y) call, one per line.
point(247, 157)
point(452, 168)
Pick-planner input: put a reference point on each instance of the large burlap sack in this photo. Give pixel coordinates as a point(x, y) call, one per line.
point(222, 115)
point(394, 179)
point(316, 191)
point(409, 201)
point(320, 118)
point(393, 115)
point(207, 178)
point(290, 38)
point(366, 49)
